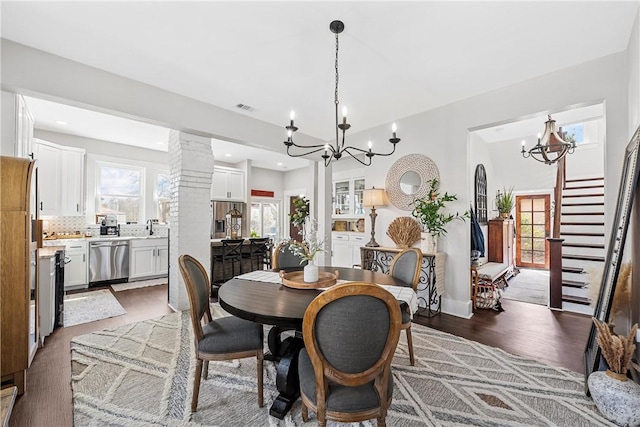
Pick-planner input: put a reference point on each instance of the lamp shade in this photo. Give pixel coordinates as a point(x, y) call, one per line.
point(373, 197)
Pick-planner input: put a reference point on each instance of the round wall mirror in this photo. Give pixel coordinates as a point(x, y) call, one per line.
point(410, 182)
point(408, 179)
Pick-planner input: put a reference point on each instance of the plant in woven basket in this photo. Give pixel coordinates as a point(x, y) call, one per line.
point(617, 350)
point(428, 210)
point(404, 231)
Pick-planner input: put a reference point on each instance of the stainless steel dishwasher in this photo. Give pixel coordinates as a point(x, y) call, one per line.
point(108, 260)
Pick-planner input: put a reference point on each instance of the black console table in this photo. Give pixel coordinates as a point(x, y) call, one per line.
point(431, 285)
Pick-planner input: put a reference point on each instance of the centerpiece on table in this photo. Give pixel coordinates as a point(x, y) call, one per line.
point(616, 397)
point(428, 211)
point(308, 249)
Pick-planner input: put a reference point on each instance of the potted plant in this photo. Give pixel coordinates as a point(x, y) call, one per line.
point(428, 212)
point(300, 213)
point(617, 398)
point(308, 249)
point(505, 202)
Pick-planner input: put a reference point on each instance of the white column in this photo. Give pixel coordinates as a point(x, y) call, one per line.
point(324, 194)
point(191, 168)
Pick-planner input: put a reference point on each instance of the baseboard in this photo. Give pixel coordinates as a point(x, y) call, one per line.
point(457, 308)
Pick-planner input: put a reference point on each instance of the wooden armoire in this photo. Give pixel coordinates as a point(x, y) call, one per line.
point(501, 241)
point(18, 269)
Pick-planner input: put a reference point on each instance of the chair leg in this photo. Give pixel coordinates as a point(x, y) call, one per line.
point(196, 386)
point(260, 358)
point(382, 422)
point(305, 413)
point(205, 371)
point(410, 346)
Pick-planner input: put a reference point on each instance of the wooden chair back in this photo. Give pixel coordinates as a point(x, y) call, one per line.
point(198, 289)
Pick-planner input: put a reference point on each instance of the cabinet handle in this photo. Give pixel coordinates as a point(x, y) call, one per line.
point(77, 207)
point(31, 155)
point(40, 205)
point(154, 252)
point(84, 257)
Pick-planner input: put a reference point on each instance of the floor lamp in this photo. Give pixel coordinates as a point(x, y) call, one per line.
point(370, 199)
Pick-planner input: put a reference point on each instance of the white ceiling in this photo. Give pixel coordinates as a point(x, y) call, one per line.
point(396, 58)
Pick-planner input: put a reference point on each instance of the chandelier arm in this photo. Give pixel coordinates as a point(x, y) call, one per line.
point(303, 154)
point(346, 150)
point(321, 146)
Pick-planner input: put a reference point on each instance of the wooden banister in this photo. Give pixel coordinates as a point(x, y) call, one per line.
point(557, 197)
point(555, 244)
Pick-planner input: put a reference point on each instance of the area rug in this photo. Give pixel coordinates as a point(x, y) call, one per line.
point(139, 284)
point(530, 286)
point(90, 306)
point(142, 375)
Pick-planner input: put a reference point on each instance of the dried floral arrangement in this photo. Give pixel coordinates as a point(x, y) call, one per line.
point(404, 231)
point(617, 350)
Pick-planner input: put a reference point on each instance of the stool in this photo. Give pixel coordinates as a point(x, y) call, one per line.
point(259, 250)
point(231, 253)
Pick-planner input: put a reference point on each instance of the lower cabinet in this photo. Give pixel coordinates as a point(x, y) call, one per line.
point(345, 249)
point(46, 295)
point(148, 258)
point(76, 267)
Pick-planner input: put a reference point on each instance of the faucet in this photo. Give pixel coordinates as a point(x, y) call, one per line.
point(150, 227)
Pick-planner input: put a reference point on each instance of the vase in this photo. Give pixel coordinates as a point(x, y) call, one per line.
point(504, 215)
point(310, 272)
point(617, 398)
point(428, 243)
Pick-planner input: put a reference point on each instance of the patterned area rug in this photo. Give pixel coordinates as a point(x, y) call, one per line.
point(142, 374)
point(139, 284)
point(90, 306)
point(530, 286)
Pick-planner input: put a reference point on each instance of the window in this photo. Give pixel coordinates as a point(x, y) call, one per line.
point(572, 133)
point(119, 191)
point(265, 218)
point(163, 196)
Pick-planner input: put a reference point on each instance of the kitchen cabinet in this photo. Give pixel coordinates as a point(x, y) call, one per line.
point(228, 184)
point(61, 178)
point(347, 198)
point(76, 270)
point(345, 249)
point(148, 258)
point(24, 129)
point(46, 295)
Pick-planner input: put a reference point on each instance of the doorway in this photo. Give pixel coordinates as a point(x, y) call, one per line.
point(532, 229)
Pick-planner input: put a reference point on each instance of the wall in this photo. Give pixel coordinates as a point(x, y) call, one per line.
point(269, 180)
point(443, 135)
point(479, 154)
point(8, 127)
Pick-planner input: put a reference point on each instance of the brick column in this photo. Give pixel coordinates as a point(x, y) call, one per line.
point(191, 169)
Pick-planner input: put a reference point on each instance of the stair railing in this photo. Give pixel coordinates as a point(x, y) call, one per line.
point(555, 243)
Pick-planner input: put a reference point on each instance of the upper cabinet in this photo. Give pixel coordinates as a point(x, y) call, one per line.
point(228, 184)
point(24, 129)
point(347, 197)
point(61, 178)
point(17, 127)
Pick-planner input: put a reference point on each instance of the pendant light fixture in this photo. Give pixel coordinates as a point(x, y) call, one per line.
point(551, 148)
point(336, 150)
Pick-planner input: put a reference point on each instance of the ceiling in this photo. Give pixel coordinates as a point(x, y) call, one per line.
point(396, 58)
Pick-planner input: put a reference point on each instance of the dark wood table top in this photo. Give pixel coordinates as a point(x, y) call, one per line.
point(275, 304)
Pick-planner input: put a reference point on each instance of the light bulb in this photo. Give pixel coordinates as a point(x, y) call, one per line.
point(370, 145)
point(292, 115)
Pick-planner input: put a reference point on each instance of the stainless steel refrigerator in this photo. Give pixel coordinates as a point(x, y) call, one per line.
point(218, 217)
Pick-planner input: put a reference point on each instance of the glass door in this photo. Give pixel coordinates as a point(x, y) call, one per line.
point(265, 218)
point(532, 226)
point(358, 191)
point(341, 194)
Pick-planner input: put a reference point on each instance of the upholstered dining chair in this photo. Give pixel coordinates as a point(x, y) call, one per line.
point(407, 266)
point(284, 258)
point(220, 339)
point(350, 334)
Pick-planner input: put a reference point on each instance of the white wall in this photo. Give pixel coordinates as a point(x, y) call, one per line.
point(9, 121)
point(269, 180)
point(633, 76)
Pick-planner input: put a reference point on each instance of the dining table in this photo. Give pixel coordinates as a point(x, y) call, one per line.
point(261, 297)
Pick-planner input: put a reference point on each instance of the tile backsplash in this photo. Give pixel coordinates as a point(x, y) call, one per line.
point(73, 224)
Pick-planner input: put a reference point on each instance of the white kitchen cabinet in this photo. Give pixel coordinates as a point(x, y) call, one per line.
point(345, 249)
point(228, 184)
point(76, 270)
point(148, 258)
point(46, 295)
point(49, 172)
point(355, 241)
point(61, 178)
point(24, 129)
point(347, 198)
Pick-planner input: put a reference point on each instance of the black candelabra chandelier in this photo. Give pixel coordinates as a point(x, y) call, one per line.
point(337, 150)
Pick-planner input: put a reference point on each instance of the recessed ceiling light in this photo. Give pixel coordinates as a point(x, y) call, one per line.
point(279, 163)
point(227, 155)
point(160, 142)
point(60, 122)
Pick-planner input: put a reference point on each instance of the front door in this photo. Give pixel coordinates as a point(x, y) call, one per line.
point(532, 227)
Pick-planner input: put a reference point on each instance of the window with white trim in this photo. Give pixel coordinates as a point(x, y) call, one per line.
point(119, 191)
point(265, 218)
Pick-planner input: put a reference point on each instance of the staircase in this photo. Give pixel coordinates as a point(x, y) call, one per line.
point(583, 249)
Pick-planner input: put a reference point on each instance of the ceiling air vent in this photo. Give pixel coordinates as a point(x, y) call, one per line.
point(245, 107)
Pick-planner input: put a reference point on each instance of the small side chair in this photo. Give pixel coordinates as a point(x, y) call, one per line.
point(283, 258)
point(220, 339)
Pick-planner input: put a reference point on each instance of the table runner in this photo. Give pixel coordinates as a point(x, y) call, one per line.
point(401, 293)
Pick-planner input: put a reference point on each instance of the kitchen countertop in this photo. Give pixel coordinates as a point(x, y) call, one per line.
point(49, 251)
point(106, 238)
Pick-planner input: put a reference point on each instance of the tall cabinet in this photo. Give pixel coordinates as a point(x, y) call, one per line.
point(501, 241)
point(19, 229)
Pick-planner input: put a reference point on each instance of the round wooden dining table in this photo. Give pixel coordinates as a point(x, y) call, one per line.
point(283, 308)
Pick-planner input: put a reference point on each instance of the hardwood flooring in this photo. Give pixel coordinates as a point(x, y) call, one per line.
point(529, 330)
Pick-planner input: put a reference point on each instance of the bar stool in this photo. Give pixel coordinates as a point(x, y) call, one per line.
point(258, 249)
point(231, 253)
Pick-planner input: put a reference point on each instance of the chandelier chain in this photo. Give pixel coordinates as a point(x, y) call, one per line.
point(337, 78)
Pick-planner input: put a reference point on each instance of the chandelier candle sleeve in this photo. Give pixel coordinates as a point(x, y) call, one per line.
point(339, 148)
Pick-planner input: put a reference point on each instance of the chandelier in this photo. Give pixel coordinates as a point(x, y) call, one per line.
point(551, 148)
point(337, 150)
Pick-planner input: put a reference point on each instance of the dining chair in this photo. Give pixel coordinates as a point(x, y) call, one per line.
point(350, 333)
point(230, 253)
point(283, 257)
point(407, 266)
point(225, 338)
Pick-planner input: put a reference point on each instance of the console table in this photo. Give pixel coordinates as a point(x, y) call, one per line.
point(431, 286)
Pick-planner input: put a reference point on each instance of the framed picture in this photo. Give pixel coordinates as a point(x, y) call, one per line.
point(100, 218)
point(619, 228)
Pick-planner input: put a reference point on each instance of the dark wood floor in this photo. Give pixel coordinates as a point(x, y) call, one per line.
point(524, 329)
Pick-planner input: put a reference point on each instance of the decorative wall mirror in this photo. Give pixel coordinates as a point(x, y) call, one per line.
point(408, 179)
point(480, 184)
point(619, 228)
